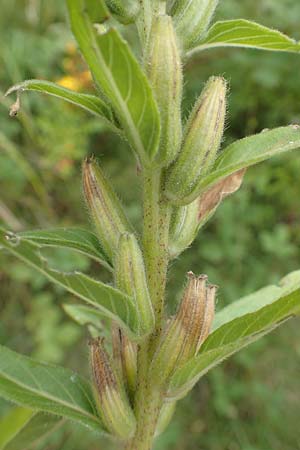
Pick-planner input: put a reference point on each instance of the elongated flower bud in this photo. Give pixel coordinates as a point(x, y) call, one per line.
point(125, 10)
point(165, 73)
point(192, 18)
point(184, 227)
point(202, 140)
point(125, 356)
point(112, 403)
point(186, 331)
point(130, 277)
point(106, 210)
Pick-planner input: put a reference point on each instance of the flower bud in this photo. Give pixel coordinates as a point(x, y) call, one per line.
point(184, 227)
point(125, 10)
point(106, 210)
point(185, 332)
point(192, 18)
point(165, 73)
point(112, 403)
point(202, 140)
point(125, 356)
point(130, 277)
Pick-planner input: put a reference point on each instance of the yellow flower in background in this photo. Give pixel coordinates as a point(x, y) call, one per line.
point(76, 82)
point(78, 79)
point(70, 82)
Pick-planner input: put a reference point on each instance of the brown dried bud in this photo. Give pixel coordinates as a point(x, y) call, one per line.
point(112, 402)
point(185, 332)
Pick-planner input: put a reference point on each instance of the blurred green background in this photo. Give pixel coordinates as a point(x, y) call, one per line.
point(251, 402)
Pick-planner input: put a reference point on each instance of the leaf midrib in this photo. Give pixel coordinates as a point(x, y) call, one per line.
point(47, 396)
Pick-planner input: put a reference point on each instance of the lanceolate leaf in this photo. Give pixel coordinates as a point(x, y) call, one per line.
point(110, 301)
point(22, 428)
point(47, 388)
point(244, 33)
point(249, 151)
point(90, 103)
point(237, 326)
point(84, 315)
point(72, 238)
point(120, 78)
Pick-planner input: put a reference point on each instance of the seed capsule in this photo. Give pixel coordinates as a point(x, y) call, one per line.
point(185, 332)
point(130, 277)
point(112, 403)
point(203, 136)
point(165, 73)
point(125, 356)
point(106, 210)
point(192, 18)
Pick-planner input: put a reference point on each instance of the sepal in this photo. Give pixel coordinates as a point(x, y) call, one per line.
point(130, 277)
point(165, 74)
point(192, 18)
point(112, 403)
point(125, 356)
point(105, 207)
point(202, 140)
point(187, 330)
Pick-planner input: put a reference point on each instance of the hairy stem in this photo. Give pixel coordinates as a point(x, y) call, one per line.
point(148, 399)
point(155, 240)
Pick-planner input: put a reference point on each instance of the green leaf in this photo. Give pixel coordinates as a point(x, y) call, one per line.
point(247, 152)
point(237, 326)
point(90, 103)
point(11, 424)
point(72, 238)
point(113, 303)
point(244, 33)
point(120, 78)
point(96, 10)
point(22, 428)
point(47, 388)
point(85, 315)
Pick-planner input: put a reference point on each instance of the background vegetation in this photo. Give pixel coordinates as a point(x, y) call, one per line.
point(252, 401)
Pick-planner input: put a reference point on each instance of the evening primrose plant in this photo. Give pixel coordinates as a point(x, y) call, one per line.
point(150, 361)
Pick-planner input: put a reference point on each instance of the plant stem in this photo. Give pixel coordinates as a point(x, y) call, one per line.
point(155, 240)
point(148, 399)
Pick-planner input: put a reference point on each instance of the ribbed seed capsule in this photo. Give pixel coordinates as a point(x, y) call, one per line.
point(112, 403)
point(192, 18)
point(186, 331)
point(202, 140)
point(125, 10)
point(130, 277)
point(165, 73)
point(125, 356)
point(105, 208)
